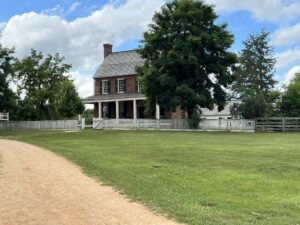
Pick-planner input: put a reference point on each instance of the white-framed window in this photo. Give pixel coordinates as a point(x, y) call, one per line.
point(105, 86)
point(121, 85)
point(139, 86)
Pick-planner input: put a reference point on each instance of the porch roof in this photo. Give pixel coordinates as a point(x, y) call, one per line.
point(113, 97)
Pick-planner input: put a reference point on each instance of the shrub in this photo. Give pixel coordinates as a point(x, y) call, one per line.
point(194, 120)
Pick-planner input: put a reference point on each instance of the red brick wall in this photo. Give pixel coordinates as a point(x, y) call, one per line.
point(178, 114)
point(130, 83)
point(96, 110)
point(97, 86)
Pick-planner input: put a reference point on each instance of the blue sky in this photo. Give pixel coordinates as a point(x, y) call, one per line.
point(77, 29)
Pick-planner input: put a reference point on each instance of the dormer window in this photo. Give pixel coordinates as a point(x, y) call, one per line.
point(121, 85)
point(105, 87)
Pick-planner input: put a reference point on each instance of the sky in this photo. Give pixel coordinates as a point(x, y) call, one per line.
point(77, 29)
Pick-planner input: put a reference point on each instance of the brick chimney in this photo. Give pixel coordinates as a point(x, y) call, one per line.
point(107, 49)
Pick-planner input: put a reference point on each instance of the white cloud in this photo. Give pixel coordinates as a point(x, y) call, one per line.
point(92, 8)
point(79, 40)
point(286, 35)
point(57, 10)
point(287, 57)
point(291, 74)
point(73, 7)
point(270, 10)
point(60, 11)
point(83, 83)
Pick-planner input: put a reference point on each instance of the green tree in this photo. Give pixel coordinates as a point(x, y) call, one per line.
point(253, 106)
point(70, 104)
point(88, 114)
point(48, 92)
point(290, 103)
point(7, 96)
point(254, 77)
point(187, 62)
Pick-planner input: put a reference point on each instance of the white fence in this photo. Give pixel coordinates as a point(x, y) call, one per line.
point(139, 124)
point(227, 125)
point(205, 125)
point(42, 125)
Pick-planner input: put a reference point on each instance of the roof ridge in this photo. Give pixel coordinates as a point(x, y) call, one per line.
point(109, 64)
point(133, 50)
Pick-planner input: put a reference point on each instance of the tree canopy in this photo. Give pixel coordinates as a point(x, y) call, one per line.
point(290, 103)
point(48, 93)
point(255, 73)
point(187, 62)
point(7, 96)
point(254, 83)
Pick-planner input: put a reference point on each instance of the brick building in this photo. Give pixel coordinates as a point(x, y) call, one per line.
point(117, 92)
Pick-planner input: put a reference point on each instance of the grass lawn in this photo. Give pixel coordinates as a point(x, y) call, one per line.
point(197, 178)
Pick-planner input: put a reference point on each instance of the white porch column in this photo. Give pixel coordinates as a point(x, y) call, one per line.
point(100, 109)
point(134, 109)
point(157, 112)
point(117, 110)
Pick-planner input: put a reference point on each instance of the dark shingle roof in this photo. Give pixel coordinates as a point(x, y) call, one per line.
point(119, 64)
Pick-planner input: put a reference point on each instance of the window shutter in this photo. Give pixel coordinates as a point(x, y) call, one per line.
point(125, 85)
point(136, 85)
point(116, 86)
point(108, 86)
point(101, 86)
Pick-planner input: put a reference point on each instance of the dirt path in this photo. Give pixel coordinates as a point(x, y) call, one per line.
point(39, 187)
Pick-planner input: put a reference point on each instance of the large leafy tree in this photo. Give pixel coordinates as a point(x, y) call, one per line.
point(254, 84)
point(187, 62)
point(290, 103)
point(47, 92)
point(7, 96)
point(70, 104)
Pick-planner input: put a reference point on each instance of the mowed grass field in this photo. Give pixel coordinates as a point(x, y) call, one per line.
point(194, 177)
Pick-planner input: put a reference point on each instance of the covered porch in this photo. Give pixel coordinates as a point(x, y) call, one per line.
point(121, 107)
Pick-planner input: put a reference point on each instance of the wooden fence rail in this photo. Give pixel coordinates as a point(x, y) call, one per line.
point(42, 125)
point(280, 124)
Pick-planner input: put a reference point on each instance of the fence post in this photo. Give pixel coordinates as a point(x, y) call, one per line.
point(82, 123)
point(283, 124)
point(255, 125)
